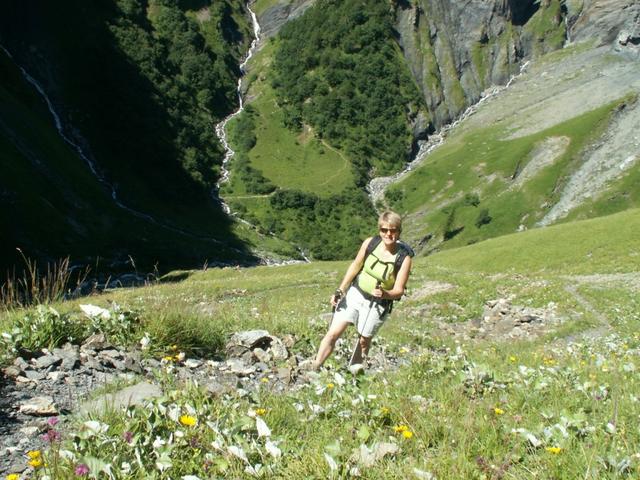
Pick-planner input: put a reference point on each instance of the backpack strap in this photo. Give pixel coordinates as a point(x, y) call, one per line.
point(375, 241)
point(405, 250)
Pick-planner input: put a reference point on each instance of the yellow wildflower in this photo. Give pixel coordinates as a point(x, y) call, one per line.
point(498, 411)
point(13, 476)
point(261, 411)
point(513, 359)
point(400, 428)
point(330, 386)
point(36, 462)
point(188, 420)
point(167, 359)
point(264, 380)
point(33, 454)
point(384, 410)
point(407, 434)
point(554, 450)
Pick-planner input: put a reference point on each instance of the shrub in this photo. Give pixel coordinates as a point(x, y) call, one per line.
point(472, 199)
point(42, 328)
point(483, 218)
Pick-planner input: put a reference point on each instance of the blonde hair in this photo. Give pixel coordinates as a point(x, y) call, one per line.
point(392, 218)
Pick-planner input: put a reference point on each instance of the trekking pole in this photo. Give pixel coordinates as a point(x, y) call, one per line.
point(357, 350)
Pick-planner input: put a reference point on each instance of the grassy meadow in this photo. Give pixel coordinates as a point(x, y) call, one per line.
point(288, 159)
point(474, 177)
point(563, 405)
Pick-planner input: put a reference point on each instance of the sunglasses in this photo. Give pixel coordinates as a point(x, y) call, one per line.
point(388, 230)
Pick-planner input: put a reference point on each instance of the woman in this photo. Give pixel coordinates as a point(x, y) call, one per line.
point(373, 280)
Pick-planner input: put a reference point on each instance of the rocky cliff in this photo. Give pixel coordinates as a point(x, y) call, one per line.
point(458, 49)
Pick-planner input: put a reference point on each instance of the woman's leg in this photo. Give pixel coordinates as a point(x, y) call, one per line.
point(329, 342)
point(365, 343)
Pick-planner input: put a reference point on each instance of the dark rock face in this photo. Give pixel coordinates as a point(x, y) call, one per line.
point(522, 11)
point(602, 20)
point(456, 50)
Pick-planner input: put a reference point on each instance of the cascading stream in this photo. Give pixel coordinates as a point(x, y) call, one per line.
point(377, 186)
point(94, 168)
point(221, 127)
point(222, 133)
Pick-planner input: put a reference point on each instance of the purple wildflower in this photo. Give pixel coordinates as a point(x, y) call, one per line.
point(53, 421)
point(51, 436)
point(81, 470)
point(128, 436)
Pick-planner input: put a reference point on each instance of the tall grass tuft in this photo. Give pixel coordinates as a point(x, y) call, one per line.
point(34, 286)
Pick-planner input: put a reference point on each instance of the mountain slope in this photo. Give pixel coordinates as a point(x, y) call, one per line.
point(560, 143)
point(138, 90)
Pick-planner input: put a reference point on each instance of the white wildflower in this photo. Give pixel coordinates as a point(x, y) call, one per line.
point(238, 452)
point(93, 311)
point(273, 449)
point(263, 429)
point(333, 466)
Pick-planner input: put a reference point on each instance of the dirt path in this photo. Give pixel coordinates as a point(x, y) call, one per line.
point(345, 164)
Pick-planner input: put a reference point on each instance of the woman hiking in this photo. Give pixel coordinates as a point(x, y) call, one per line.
point(377, 276)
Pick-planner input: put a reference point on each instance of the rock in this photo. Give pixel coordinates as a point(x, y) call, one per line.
point(134, 395)
point(278, 350)
point(262, 367)
point(111, 354)
point(274, 17)
point(20, 363)
point(251, 338)
point(46, 361)
point(55, 376)
point(151, 364)
point(39, 406)
point(30, 431)
point(34, 375)
point(239, 367)
point(262, 356)
point(132, 362)
point(96, 342)
point(215, 388)
point(91, 362)
point(192, 363)
point(12, 371)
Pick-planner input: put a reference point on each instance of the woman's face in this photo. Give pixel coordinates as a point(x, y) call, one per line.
point(389, 233)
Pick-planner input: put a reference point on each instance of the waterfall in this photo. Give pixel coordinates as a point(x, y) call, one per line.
point(377, 185)
point(87, 158)
point(221, 127)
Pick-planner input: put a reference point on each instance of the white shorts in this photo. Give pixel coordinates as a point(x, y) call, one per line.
point(355, 309)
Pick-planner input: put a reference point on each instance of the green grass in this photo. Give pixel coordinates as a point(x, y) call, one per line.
point(484, 163)
point(600, 245)
point(288, 159)
point(475, 409)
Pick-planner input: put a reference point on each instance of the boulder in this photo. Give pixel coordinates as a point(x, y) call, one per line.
point(39, 406)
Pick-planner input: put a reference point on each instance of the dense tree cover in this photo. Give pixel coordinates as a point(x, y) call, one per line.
point(194, 84)
point(339, 69)
point(142, 83)
point(328, 228)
